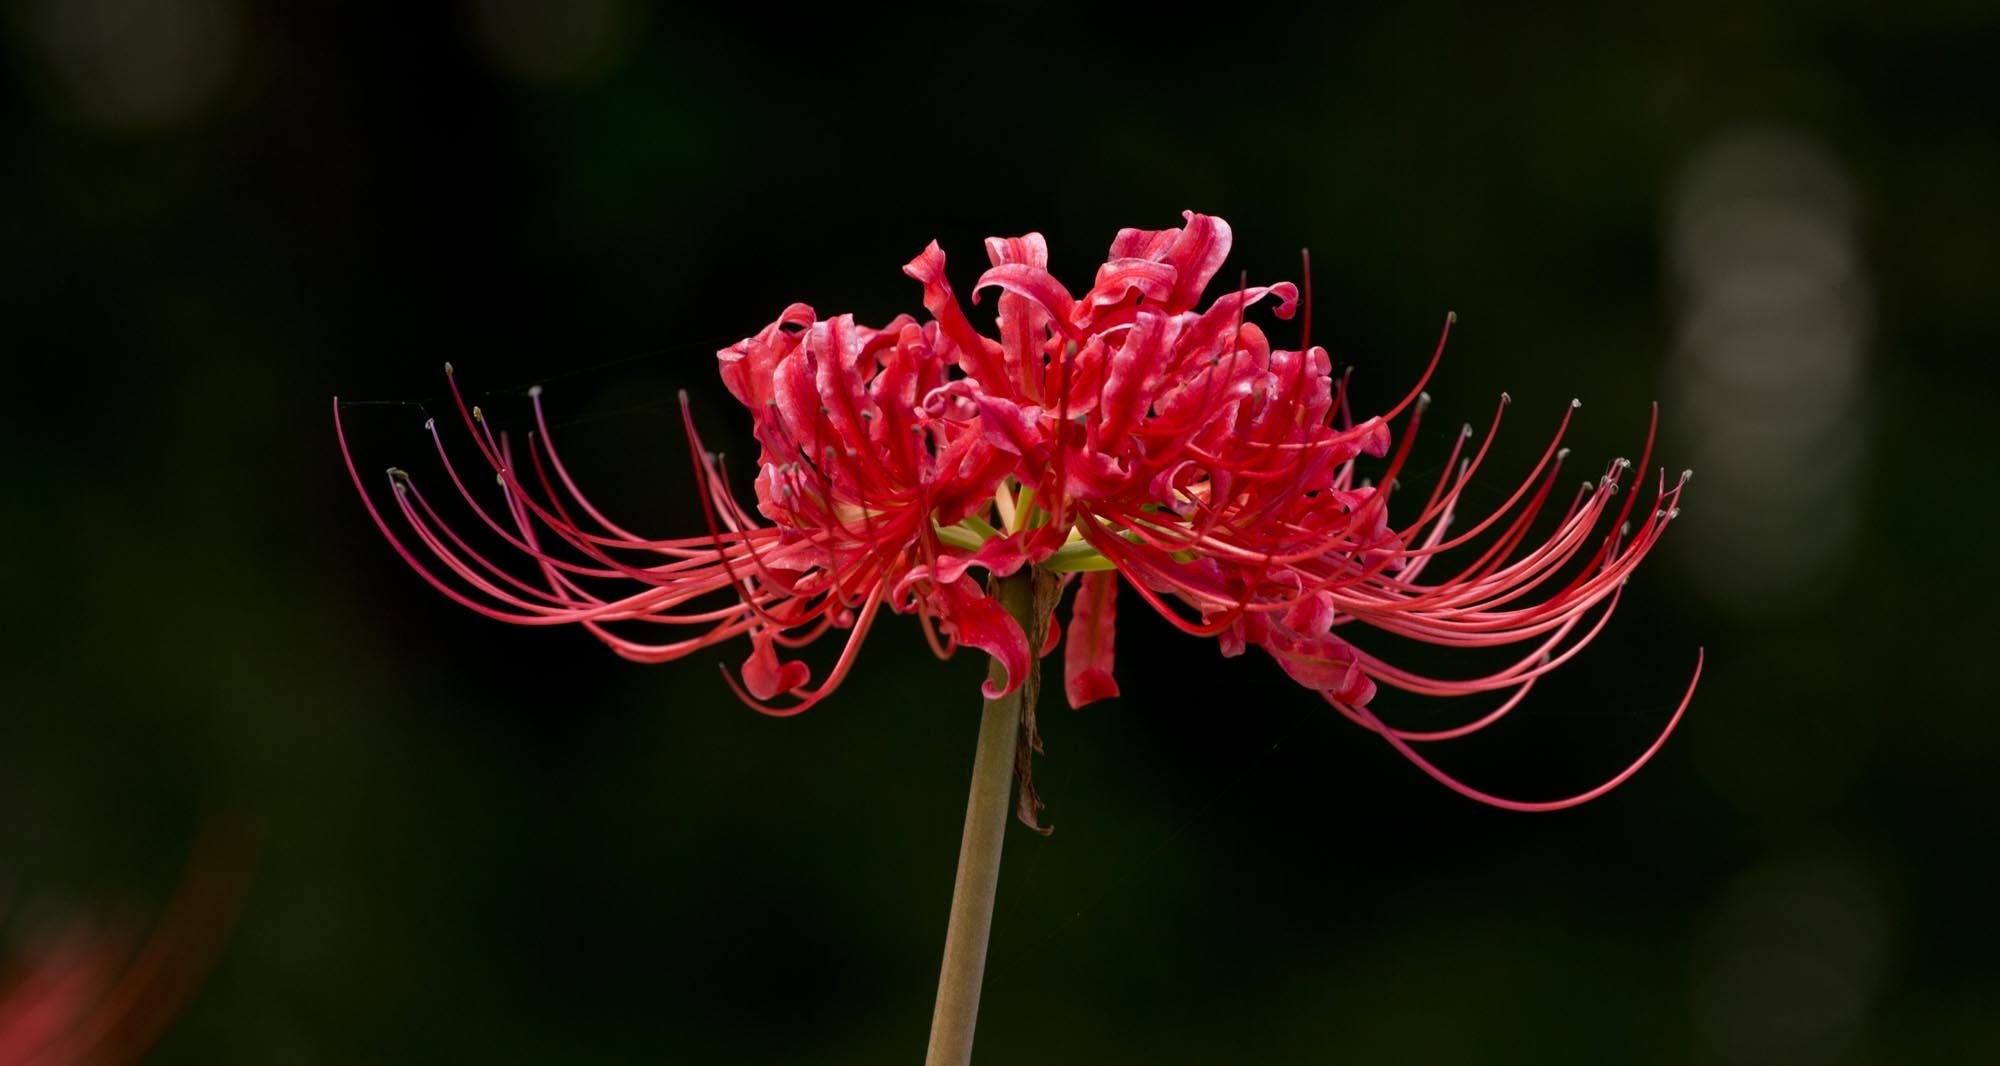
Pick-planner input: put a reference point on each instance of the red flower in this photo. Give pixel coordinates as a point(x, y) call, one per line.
point(102, 993)
point(1127, 432)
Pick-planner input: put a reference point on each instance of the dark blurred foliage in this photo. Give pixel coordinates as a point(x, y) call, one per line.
point(485, 844)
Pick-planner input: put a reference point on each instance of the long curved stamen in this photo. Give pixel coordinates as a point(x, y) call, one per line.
point(1368, 718)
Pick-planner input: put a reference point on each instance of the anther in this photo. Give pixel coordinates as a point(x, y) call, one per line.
point(534, 391)
point(1451, 317)
point(1505, 399)
point(398, 474)
point(430, 425)
point(1423, 400)
point(1687, 475)
point(448, 371)
point(477, 414)
point(1561, 454)
point(1575, 403)
point(1465, 430)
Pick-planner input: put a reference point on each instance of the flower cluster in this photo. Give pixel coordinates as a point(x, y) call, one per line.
point(1125, 437)
point(103, 992)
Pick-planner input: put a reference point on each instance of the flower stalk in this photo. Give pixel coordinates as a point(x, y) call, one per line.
point(1027, 595)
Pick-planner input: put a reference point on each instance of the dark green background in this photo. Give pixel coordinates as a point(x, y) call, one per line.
point(485, 844)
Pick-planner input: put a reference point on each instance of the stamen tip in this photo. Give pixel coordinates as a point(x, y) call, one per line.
point(534, 392)
point(1575, 402)
point(1423, 400)
point(477, 414)
point(1451, 318)
point(430, 425)
point(1687, 475)
point(1465, 430)
point(1561, 454)
point(448, 371)
point(1505, 399)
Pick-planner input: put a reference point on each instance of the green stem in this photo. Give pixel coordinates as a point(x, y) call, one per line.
point(986, 814)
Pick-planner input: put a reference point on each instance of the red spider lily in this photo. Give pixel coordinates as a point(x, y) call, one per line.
point(1127, 432)
point(98, 993)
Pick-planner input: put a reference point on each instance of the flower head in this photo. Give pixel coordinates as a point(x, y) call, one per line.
point(1128, 435)
point(96, 991)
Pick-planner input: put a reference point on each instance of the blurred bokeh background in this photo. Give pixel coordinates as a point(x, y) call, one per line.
point(481, 844)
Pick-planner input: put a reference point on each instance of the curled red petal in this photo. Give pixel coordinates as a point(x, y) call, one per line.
point(979, 356)
point(1117, 280)
point(1326, 664)
point(1050, 639)
point(978, 620)
point(1029, 248)
point(1197, 253)
point(746, 365)
point(765, 676)
point(999, 556)
point(1033, 283)
point(1087, 657)
point(1012, 428)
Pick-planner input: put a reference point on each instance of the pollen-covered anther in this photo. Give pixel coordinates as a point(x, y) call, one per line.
point(1506, 398)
